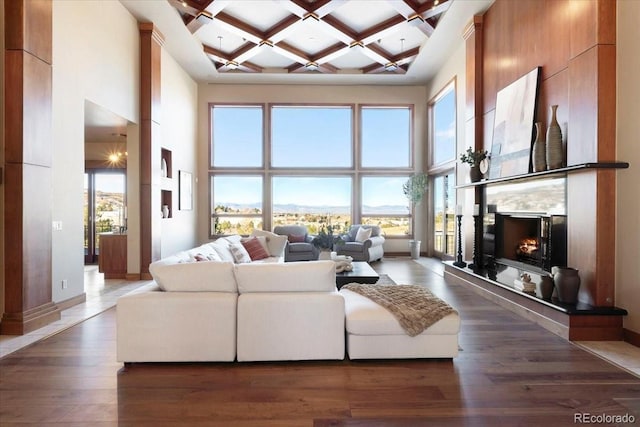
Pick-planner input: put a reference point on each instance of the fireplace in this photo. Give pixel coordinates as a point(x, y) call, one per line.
point(527, 240)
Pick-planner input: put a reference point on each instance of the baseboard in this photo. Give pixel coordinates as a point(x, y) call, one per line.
point(146, 276)
point(631, 337)
point(133, 277)
point(68, 303)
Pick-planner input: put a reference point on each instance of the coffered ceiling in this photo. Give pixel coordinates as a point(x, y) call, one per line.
point(312, 36)
point(309, 41)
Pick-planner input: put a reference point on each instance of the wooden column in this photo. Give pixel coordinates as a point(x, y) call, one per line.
point(28, 192)
point(474, 121)
point(151, 42)
point(591, 196)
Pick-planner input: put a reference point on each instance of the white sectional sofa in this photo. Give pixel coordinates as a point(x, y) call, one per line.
point(206, 308)
point(213, 310)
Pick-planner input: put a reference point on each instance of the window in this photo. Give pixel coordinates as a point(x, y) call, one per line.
point(236, 203)
point(311, 137)
point(442, 120)
point(386, 137)
point(309, 201)
point(443, 215)
point(237, 132)
point(384, 204)
point(297, 164)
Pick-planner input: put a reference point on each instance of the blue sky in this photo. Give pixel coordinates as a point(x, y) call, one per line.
point(299, 140)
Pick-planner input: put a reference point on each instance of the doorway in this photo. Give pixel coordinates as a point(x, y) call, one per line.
point(104, 208)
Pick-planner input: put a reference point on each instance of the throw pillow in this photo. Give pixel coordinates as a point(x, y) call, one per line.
point(240, 254)
point(255, 249)
point(363, 234)
point(294, 238)
point(275, 242)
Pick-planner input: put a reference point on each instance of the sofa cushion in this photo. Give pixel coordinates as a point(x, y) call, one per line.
point(221, 246)
point(240, 254)
point(275, 242)
point(295, 238)
point(363, 234)
point(311, 276)
point(206, 276)
point(255, 249)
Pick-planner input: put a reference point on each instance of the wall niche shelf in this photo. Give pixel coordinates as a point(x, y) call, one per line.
point(166, 182)
point(547, 173)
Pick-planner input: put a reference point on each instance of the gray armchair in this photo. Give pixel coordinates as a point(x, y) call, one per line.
point(370, 250)
point(298, 251)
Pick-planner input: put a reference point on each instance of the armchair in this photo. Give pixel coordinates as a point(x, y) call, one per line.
point(368, 250)
point(302, 250)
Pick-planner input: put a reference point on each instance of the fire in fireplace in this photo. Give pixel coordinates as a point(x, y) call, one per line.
point(533, 239)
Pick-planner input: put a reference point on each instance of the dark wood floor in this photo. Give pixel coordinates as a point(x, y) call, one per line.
point(510, 372)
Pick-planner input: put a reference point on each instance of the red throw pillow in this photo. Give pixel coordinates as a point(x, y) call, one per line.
point(255, 249)
point(294, 238)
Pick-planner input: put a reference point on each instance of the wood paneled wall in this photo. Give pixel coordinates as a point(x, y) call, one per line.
point(574, 43)
point(150, 146)
point(28, 194)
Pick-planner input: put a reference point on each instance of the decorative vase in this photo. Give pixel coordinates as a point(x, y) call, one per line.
point(414, 247)
point(539, 159)
point(163, 168)
point(567, 283)
point(545, 287)
point(325, 254)
point(554, 141)
point(475, 174)
point(165, 211)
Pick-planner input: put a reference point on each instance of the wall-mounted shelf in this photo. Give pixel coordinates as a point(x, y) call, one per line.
point(552, 172)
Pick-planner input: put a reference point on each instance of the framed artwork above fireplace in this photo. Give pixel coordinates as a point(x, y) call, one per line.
point(515, 115)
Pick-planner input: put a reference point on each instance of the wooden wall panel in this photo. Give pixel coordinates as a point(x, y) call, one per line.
point(29, 27)
point(574, 43)
point(583, 108)
point(150, 145)
point(581, 231)
point(593, 22)
point(28, 140)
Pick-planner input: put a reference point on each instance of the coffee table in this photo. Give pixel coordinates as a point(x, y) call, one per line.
point(361, 273)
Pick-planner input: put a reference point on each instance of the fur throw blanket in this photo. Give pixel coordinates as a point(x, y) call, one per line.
point(415, 307)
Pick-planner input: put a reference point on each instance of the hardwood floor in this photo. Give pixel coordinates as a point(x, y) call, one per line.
point(510, 372)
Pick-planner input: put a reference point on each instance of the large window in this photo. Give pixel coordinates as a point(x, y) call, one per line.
point(443, 218)
point(236, 202)
point(311, 137)
point(386, 137)
point(442, 120)
point(237, 136)
point(311, 201)
point(306, 170)
point(383, 205)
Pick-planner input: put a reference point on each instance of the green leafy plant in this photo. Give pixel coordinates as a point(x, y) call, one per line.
point(415, 187)
point(473, 158)
point(328, 235)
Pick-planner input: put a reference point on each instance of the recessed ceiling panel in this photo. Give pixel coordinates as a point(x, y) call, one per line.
point(266, 36)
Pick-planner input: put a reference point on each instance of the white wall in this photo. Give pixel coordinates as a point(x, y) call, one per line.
point(628, 150)
point(179, 94)
point(455, 67)
point(307, 94)
point(95, 57)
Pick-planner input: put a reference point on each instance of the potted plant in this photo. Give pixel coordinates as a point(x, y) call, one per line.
point(328, 236)
point(414, 189)
point(473, 159)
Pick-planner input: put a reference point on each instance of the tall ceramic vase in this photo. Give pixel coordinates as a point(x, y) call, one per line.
point(539, 159)
point(554, 141)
